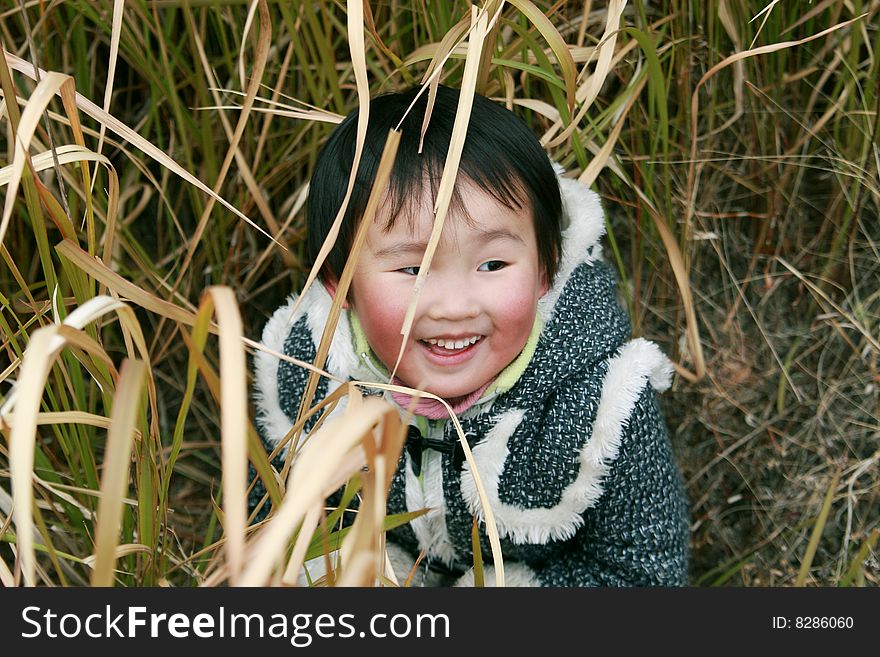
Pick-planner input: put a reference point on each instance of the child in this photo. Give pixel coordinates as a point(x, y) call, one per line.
point(519, 329)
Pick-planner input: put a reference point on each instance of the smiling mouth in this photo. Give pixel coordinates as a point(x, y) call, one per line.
point(449, 347)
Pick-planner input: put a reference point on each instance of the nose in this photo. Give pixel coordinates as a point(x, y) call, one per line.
point(449, 297)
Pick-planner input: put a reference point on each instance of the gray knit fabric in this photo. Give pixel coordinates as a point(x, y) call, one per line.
point(584, 497)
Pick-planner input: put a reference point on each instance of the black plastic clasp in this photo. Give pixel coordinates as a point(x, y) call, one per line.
point(416, 444)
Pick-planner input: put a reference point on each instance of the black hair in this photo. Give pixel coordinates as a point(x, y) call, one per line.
point(501, 156)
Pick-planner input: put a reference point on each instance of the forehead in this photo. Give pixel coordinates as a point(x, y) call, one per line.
point(473, 211)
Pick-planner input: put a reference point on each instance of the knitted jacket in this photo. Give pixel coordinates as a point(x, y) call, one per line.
point(573, 453)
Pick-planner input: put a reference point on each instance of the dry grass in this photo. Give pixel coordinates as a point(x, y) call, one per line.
point(739, 163)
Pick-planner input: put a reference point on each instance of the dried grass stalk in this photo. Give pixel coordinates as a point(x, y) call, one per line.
point(114, 484)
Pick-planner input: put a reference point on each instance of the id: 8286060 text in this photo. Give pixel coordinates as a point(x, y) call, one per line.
point(813, 623)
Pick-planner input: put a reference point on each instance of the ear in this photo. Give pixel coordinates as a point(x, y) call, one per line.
point(545, 285)
point(330, 284)
point(545, 277)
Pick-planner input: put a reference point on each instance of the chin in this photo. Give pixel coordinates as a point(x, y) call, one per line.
point(451, 392)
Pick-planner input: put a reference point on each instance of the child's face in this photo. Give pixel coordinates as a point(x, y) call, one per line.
point(479, 298)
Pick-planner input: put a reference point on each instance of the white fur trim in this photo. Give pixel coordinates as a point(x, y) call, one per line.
point(639, 362)
point(584, 225)
point(341, 359)
point(490, 455)
point(430, 529)
point(515, 575)
point(269, 413)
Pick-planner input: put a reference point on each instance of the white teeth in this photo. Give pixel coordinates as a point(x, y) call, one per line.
point(454, 344)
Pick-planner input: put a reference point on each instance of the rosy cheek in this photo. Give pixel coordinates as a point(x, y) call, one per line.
point(381, 317)
point(521, 322)
point(518, 304)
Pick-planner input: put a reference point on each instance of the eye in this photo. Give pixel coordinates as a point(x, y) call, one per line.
point(492, 265)
point(411, 271)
